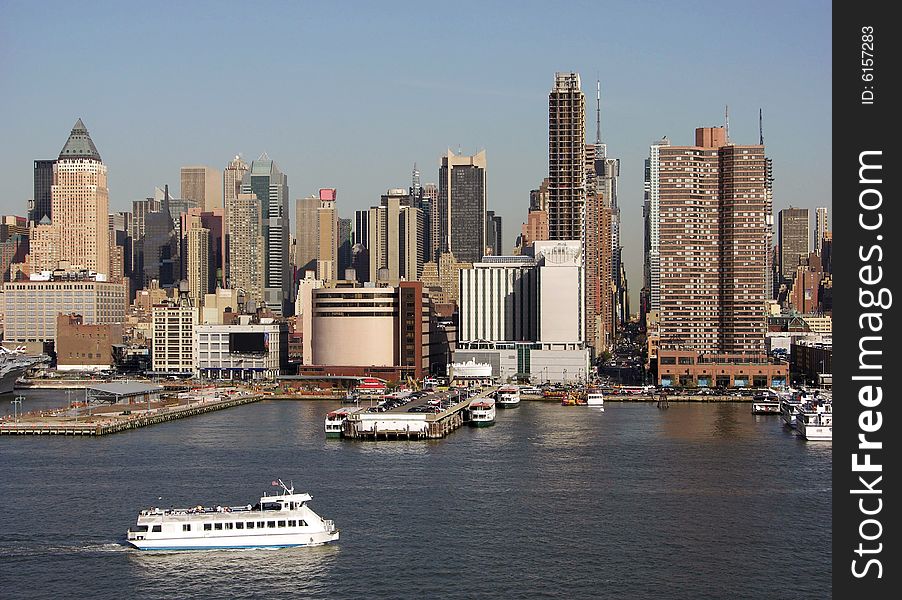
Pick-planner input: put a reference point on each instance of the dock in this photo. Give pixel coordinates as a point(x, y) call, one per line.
point(401, 424)
point(124, 418)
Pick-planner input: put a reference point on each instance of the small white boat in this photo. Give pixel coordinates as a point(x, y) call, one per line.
point(764, 404)
point(482, 412)
point(595, 399)
point(508, 397)
point(335, 420)
point(279, 521)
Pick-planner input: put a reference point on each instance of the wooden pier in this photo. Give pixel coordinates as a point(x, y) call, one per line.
point(104, 424)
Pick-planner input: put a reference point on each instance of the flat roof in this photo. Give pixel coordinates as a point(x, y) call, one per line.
point(127, 388)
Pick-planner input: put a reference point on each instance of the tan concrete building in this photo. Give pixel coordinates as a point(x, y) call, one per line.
point(395, 240)
point(173, 337)
point(31, 307)
point(246, 246)
point(203, 185)
point(85, 347)
point(231, 181)
point(78, 232)
point(327, 236)
point(198, 260)
point(306, 228)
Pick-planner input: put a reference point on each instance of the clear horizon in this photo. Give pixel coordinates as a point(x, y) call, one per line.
point(351, 96)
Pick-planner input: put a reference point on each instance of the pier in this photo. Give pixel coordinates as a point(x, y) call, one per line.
point(401, 424)
point(114, 419)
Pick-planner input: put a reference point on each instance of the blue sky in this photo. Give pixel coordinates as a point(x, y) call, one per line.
point(351, 94)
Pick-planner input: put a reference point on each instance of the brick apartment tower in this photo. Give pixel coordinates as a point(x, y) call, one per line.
point(566, 158)
point(714, 223)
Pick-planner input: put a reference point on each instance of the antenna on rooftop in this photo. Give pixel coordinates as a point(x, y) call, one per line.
point(760, 127)
point(726, 119)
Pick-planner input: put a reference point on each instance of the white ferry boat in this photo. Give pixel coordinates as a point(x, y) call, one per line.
point(789, 411)
point(508, 397)
point(815, 423)
point(279, 521)
point(335, 420)
point(765, 404)
point(594, 398)
point(482, 412)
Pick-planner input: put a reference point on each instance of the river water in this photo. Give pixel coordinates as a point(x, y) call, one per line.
point(694, 501)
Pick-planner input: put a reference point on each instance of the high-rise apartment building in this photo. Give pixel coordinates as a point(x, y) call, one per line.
point(232, 177)
point(203, 185)
point(566, 158)
point(794, 239)
point(78, 231)
point(652, 216)
point(270, 186)
point(344, 246)
point(711, 211)
point(462, 205)
point(42, 203)
point(820, 228)
point(246, 246)
point(173, 337)
point(361, 233)
point(197, 265)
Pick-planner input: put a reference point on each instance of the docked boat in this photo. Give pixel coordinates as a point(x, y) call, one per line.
point(789, 411)
point(508, 397)
point(279, 521)
point(815, 422)
point(764, 404)
point(335, 421)
point(594, 398)
point(482, 412)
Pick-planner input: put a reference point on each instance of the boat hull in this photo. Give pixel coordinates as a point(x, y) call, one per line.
point(508, 404)
point(817, 433)
point(481, 423)
point(333, 435)
point(289, 540)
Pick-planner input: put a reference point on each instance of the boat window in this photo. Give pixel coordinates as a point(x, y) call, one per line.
point(281, 523)
point(208, 526)
point(228, 525)
point(239, 525)
point(270, 523)
point(186, 527)
point(217, 526)
point(272, 506)
point(292, 523)
point(142, 528)
point(261, 524)
point(250, 524)
point(302, 523)
point(157, 528)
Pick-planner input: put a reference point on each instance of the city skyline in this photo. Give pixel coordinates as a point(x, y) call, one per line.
point(394, 111)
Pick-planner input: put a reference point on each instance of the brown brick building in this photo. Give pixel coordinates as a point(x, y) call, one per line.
point(82, 347)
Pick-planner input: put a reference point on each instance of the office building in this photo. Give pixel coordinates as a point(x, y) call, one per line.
point(203, 186)
point(160, 246)
point(821, 228)
point(270, 186)
point(42, 203)
point(395, 240)
point(462, 206)
point(78, 231)
point(197, 242)
point(232, 176)
point(306, 234)
point(173, 337)
point(31, 306)
point(794, 239)
point(250, 349)
point(327, 236)
point(498, 300)
point(344, 246)
point(361, 233)
point(84, 346)
point(493, 239)
point(566, 158)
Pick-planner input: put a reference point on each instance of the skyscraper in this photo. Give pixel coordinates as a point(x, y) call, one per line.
point(246, 246)
point(652, 216)
point(232, 177)
point(42, 202)
point(344, 246)
point(78, 231)
point(327, 236)
point(270, 186)
point(203, 185)
point(461, 205)
point(395, 239)
point(566, 158)
point(306, 234)
point(794, 239)
point(820, 228)
point(361, 232)
point(493, 241)
point(713, 222)
point(197, 241)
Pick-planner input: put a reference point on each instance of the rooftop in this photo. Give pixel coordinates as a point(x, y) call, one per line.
point(79, 144)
